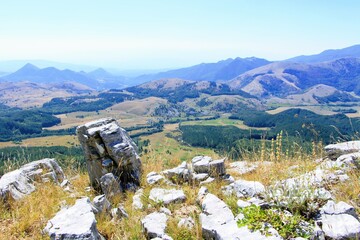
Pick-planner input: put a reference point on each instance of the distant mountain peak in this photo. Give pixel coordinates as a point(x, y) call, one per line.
point(29, 66)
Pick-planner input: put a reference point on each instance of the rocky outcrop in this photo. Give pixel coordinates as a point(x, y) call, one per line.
point(110, 186)
point(109, 149)
point(178, 174)
point(76, 222)
point(205, 164)
point(335, 150)
point(153, 178)
point(167, 196)
point(18, 183)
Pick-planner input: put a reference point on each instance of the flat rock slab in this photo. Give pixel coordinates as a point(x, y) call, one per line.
point(76, 222)
point(154, 225)
point(19, 183)
point(153, 178)
point(167, 196)
point(243, 188)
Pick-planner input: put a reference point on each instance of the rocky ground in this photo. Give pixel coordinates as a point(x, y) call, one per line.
point(199, 199)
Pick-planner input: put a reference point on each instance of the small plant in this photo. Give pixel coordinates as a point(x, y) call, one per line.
point(287, 225)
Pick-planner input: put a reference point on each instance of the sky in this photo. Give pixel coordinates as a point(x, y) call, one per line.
point(161, 34)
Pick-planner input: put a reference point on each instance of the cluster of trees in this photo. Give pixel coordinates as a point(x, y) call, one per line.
point(84, 103)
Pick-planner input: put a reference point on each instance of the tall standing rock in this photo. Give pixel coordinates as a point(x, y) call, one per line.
point(109, 149)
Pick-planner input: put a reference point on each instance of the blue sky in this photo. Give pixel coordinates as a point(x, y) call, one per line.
point(172, 33)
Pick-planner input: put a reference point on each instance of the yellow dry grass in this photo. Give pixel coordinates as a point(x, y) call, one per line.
point(67, 141)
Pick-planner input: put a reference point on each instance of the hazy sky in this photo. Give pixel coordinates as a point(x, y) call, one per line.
point(173, 33)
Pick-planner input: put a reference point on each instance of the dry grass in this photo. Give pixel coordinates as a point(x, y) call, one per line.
point(67, 141)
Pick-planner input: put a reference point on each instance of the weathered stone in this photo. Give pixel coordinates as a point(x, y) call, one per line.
point(200, 164)
point(208, 180)
point(242, 167)
point(188, 223)
point(218, 222)
point(76, 222)
point(109, 186)
point(154, 225)
point(180, 173)
point(217, 168)
point(137, 204)
point(242, 204)
point(200, 177)
point(335, 150)
point(167, 196)
point(243, 188)
point(118, 213)
point(332, 208)
point(109, 149)
point(165, 210)
point(153, 178)
point(18, 183)
point(342, 226)
point(101, 204)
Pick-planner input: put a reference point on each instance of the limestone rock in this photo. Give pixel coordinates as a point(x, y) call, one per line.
point(217, 168)
point(188, 223)
point(332, 208)
point(208, 180)
point(200, 177)
point(343, 226)
point(18, 183)
point(167, 196)
point(154, 225)
point(180, 173)
point(200, 164)
point(110, 186)
point(153, 178)
point(109, 149)
point(243, 188)
point(137, 204)
point(76, 222)
point(101, 204)
point(118, 213)
point(335, 150)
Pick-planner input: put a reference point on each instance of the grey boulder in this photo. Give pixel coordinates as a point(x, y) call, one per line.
point(101, 204)
point(153, 178)
point(180, 173)
point(154, 225)
point(243, 188)
point(335, 150)
point(109, 149)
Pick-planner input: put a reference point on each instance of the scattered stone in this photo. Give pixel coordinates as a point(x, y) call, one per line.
point(165, 210)
point(76, 222)
point(101, 204)
point(109, 186)
point(109, 149)
point(153, 178)
point(137, 204)
point(228, 178)
point(119, 213)
point(335, 150)
point(154, 225)
point(208, 180)
point(243, 188)
point(242, 167)
point(180, 173)
point(200, 177)
point(18, 183)
point(64, 183)
point(188, 223)
point(167, 196)
point(242, 204)
point(258, 202)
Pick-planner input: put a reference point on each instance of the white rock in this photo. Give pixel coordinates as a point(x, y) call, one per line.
point(200, 176)
point(242, 167)
point(180, 173)
point(335, 150)
point(165, 210)
point(153, 178)
point(167, 196)
point(242, 204)
point(208, 180)
point(243, 188)
point(341, 226)
point(137, 204)
point(188, 223)
point(76, 222)
point(331, 208)
point(154, 225)
point(118, 213)
point(18, 183)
